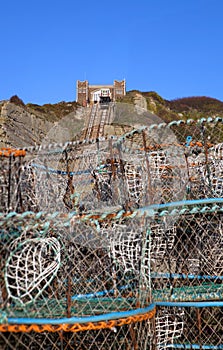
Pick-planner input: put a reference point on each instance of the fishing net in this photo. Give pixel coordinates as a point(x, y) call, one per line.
point(114, 243)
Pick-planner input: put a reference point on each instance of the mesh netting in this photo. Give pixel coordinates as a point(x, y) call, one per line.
point(142, 167)
point(114, 243)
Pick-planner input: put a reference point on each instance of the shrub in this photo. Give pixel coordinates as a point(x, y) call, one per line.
point(17, 101)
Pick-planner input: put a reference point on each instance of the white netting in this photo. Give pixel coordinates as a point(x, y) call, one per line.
point(31, 266)
point(104, 240)
point(169, 327)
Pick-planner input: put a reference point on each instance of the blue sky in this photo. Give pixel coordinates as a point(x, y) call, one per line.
point(174, 47)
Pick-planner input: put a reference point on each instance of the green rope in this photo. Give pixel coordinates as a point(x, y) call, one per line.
point(152, 211)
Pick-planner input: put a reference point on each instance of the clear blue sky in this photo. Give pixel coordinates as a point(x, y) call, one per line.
point(174, 47)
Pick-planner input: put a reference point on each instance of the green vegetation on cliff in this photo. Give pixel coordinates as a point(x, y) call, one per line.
point(54, 112)
point(181, 108)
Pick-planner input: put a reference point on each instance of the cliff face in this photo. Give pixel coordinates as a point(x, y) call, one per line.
point(28, 125)
point(182, 108)
point(23, 126)
point(20, 127)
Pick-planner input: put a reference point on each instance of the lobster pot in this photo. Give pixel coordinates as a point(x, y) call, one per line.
point(85, 176)
point(121, 182)
point(213, 173)
point(206, 176)
point(114, 243)
point(186, 259)
point(162, 237)
point(119, 337)
point(159, 164)
point(189, 327)
point(75, 281)
point(11, 164)
point(169, 327)
point(42, 259)
point(18, 181)
point(63, 176)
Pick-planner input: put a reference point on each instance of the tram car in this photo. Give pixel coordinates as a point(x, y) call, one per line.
point(105, 96)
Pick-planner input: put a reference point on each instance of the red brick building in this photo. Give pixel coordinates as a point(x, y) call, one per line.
point(86, 93)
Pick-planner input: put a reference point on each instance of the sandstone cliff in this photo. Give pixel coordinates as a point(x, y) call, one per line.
point(22, 126)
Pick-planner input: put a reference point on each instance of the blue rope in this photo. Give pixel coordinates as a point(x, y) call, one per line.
point(60, 172)
point(199, 304)
point(73, 320)
point(112, 315)
point(182, 203)
point(185, 276)
point(98, 294)
point(193, 346)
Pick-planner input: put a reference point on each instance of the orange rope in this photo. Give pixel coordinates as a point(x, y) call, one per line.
point(77, 327)
point(7, 152)
point(163, 145)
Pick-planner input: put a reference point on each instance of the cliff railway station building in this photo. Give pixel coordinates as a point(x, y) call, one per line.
point(91, 94)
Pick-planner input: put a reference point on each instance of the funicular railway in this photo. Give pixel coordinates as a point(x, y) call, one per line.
point(101, 114)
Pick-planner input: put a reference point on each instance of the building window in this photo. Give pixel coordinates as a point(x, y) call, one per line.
point(119, 92)
point(82, 90)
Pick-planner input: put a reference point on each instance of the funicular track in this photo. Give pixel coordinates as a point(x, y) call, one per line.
point(100, 115)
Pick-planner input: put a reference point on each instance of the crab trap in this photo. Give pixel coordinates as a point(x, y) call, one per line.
point(114, 243)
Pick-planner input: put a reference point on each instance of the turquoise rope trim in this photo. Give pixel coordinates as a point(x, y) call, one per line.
point(112, 315)
point(193, 346)
point(98, 294)
point(148, 211)
point(183, 203)
point(60, 146)
point(196, 304)
point(177, 123)
point(169, 125)
point(184, 276)
point(3, 317)
point(60, 172)
point(73, 320)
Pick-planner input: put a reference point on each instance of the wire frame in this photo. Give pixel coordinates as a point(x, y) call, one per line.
point(116, 241)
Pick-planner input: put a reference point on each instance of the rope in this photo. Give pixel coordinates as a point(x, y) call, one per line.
point(184, 276)
point(177, 123)
point(193, 346)
point(80, 327)
point(60, 172)
point(160, 210)
point(169, 125)
point(199, 304)
point(7, 152)
point(77, 327)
